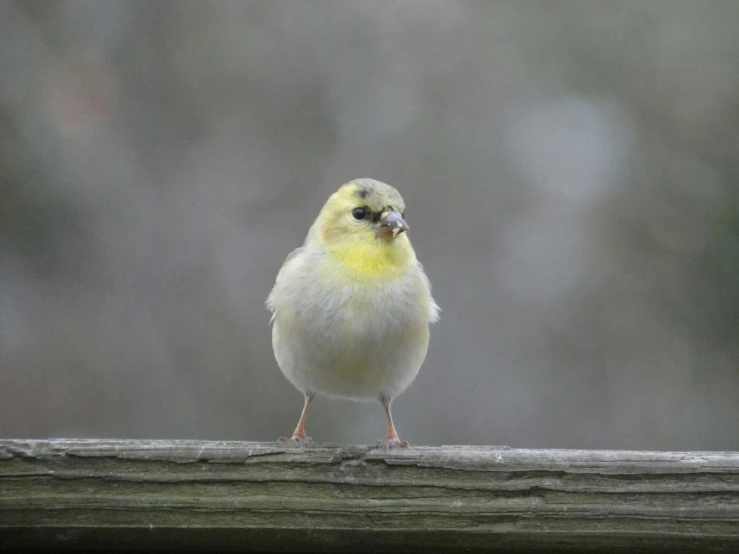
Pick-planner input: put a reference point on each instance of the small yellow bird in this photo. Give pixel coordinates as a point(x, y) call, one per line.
point(351, 308)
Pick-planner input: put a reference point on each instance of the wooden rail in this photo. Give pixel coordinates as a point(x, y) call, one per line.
point(265, 497)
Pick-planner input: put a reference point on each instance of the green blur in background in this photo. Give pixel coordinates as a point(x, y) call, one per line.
point(571, 171)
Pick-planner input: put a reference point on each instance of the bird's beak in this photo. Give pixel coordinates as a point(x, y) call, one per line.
point(392, 225)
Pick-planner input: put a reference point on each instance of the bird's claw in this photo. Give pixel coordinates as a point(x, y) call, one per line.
point(392, 443)
point(295, 439)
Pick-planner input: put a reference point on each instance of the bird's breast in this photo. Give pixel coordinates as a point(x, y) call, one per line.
point(353, 322)
point(353, 340)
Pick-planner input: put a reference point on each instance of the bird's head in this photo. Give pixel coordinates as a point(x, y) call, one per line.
point(363, 223)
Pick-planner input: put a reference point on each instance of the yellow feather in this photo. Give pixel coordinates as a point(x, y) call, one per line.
point(368, 257)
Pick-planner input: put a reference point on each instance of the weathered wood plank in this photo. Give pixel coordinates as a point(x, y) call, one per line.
point(194, 495)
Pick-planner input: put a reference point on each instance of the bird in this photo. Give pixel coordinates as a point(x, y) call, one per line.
point(351, 308)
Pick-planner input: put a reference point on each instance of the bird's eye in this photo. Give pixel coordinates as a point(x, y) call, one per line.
point(359, 213)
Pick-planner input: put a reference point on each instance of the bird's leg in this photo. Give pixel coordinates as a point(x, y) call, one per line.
point(392, 440)
point(299, 433)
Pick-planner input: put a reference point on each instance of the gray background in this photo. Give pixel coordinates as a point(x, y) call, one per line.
point(570, 169)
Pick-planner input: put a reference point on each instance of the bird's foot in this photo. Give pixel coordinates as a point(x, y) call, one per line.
point(392, 442)
point(296, 439)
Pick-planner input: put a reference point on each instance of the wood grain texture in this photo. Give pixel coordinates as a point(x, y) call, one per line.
point(265, 497)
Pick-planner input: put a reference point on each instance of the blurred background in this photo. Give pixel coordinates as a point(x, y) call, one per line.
point(571, 171)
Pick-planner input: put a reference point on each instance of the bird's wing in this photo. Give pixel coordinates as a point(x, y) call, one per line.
point(290, 257)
